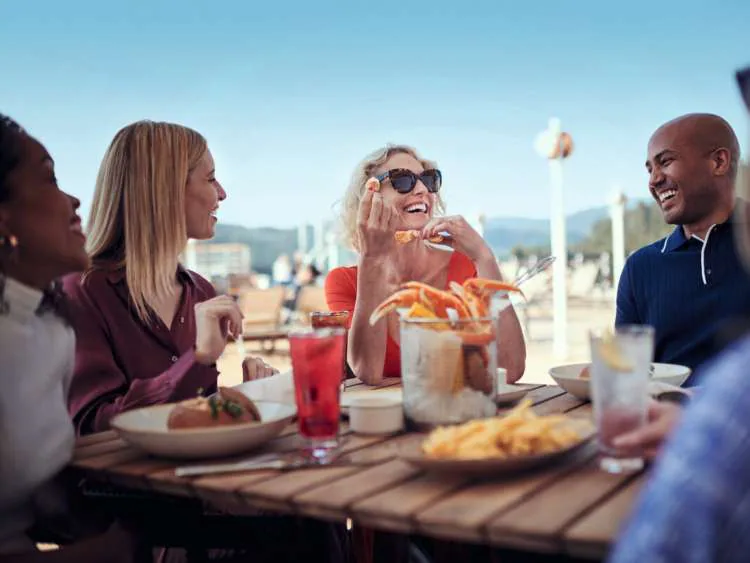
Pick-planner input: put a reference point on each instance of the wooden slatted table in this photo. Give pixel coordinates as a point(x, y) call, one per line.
point(574, 508)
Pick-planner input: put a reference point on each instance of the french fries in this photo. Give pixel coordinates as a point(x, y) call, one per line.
point(521, 432)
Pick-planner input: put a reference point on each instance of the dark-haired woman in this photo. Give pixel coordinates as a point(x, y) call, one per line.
point(40, 240)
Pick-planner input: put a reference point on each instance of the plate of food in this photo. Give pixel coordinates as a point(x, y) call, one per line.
point(574, 378)
point(519, 440)
point(225, 423)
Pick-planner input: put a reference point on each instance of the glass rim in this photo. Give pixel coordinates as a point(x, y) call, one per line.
point(329, 313)
point(322, 332)
point(427, 321)
point(624, 329)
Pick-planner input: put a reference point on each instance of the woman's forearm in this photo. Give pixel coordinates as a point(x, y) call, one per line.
point(511, 344)
point(366, 351)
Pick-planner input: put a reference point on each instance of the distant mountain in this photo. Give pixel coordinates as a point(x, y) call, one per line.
point(502, 234)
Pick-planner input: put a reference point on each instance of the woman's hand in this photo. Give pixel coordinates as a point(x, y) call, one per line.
point(256, 368)
point(648, 439)
point(375, 226)
point(214, 319)
point(463, 237)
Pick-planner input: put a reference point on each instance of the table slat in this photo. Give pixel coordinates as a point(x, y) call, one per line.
point(463, 515)
point(394, 509)
point(541, 518)
point(591, 535)
point(95, 438)
point(99, 448)
point(277, 493)
point(332, 501)
point(557, 405)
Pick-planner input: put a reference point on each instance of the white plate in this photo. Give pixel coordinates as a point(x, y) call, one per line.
point(567, 377)
point(496, 466)
point(507, 393)
point(146, 429)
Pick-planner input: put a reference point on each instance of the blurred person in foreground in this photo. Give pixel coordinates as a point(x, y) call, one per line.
point(690, 284)
point(408, 199)
point(40, 240)
point(696, 505)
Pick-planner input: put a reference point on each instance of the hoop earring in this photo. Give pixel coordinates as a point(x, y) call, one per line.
point(10, 243)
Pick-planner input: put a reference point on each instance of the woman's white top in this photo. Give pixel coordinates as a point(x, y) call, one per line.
point(36, 432)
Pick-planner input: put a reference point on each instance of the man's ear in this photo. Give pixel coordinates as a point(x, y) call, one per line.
point(721, 161)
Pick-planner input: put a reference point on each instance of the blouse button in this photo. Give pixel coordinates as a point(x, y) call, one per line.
point(174, 358)
point(182, 320)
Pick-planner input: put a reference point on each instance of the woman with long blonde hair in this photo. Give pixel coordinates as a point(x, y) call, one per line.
point(409, 199)
point(149, 331)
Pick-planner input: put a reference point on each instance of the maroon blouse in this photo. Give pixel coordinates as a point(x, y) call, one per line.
point(122, 363)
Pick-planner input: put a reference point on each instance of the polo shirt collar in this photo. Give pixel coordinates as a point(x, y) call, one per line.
point(677, 238)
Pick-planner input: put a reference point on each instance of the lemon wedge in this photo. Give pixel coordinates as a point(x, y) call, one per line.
point(611, 354)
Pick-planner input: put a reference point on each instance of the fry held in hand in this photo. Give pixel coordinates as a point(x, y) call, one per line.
point(405, 237)
point(373, 185)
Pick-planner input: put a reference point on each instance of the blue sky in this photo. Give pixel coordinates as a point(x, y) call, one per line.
point(292, 95)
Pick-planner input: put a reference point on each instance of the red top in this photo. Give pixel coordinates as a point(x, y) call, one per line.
point(341, 295)
point(122, 363)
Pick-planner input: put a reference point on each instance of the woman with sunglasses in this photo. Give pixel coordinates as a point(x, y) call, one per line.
point(408, 199)
point(40, 240)
point(696, 505)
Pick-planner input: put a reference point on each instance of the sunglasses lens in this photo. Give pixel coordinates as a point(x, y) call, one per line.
point(403, 182)
point(432, 180)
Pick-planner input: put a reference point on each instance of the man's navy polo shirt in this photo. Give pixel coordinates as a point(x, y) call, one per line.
point(687, 289)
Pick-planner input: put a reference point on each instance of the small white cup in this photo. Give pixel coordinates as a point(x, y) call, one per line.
point(376, 415)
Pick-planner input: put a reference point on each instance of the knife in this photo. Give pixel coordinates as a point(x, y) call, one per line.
point(262, 462)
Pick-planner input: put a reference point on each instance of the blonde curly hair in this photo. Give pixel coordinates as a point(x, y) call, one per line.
point(364, 171)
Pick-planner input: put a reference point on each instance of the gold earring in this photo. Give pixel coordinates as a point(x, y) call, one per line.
point(10, 240)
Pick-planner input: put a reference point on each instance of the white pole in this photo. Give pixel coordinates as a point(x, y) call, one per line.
point(560, 252)
point(318, 250)
point(617, 215)
point(554, 145)
point(302, 242)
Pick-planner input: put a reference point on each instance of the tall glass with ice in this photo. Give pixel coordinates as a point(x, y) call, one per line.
point(448, 370)
point(620, 366)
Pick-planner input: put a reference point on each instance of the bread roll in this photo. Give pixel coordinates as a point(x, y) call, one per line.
point(226, 407)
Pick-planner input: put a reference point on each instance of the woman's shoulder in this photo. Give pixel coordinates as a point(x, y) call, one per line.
point(204, 287)
point(89, 283)
point(343, 275)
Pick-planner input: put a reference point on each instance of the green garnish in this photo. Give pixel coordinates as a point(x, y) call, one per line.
point(213, 404)
point(233, 409)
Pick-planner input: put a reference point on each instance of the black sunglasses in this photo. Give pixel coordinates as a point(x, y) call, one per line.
point(743, 79)
point(403, 181)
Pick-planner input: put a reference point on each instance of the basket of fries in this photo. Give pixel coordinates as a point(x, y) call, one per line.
point(519, 440)
point(448, 350)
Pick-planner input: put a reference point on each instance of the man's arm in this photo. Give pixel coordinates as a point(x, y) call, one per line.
point(627, 307)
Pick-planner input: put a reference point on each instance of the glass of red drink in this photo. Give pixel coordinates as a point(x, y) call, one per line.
point(330, 319)
point(620, 372)
point(317, 365)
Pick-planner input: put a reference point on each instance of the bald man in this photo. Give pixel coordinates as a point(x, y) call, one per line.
point(695, 507)
point(689, 284)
